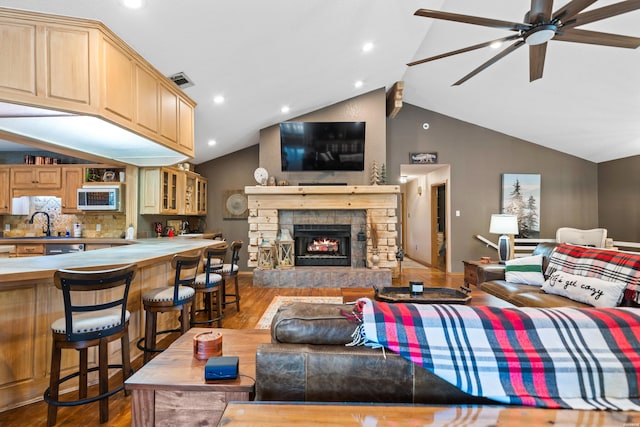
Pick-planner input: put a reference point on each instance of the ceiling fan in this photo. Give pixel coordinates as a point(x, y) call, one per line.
point(540, 25)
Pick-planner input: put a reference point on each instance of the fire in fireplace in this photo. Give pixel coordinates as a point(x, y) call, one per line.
point(322, 245)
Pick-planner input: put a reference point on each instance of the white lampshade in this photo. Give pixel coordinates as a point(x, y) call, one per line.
point(503, 224)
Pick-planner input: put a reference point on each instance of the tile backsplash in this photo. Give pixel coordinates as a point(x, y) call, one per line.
point(112, 225)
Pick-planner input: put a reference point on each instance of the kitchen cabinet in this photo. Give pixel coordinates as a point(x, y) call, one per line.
point(80, 66)
point(171, 191)
point(72, 179)
point(27, 249)
point(5, 191)
point(201, 195)
point(35, 177)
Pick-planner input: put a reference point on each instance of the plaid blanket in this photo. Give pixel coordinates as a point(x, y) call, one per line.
point(614, 266)
point(565, 357)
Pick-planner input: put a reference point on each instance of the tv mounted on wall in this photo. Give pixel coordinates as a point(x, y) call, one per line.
point(322, 146)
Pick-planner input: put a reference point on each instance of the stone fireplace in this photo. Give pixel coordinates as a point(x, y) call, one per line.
point(355, 210)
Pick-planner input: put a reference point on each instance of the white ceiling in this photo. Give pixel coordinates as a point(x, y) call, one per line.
point(261, 55)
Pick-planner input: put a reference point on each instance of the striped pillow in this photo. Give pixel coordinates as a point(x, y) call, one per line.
point(527, 270)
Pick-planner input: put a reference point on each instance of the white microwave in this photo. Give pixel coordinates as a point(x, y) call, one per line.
point(99, 198)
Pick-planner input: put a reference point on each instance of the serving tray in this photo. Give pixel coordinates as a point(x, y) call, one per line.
point(428, 296)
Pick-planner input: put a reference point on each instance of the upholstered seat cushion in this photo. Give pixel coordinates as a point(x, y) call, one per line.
point(226, 269)
point(166, 294)
point(201, 280)
point(91, 322)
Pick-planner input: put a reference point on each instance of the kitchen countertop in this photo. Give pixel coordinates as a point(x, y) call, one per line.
point(140, 252)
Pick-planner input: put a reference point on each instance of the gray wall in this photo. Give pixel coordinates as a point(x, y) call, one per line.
point(478, 156)
point(619, 204)
point(231, 172)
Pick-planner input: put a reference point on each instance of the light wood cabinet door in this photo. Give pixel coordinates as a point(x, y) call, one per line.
point(169, 191)
point(189, 203)
point(5, 191)
point(68, 69)
point(72, 179)
point(117, 85)
point(18, 50)
point(36, 177)
point(201, 196)
point(185, 123)
point(146, 100)
point(168, 115)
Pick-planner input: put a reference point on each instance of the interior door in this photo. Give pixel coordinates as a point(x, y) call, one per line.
point(439, 226)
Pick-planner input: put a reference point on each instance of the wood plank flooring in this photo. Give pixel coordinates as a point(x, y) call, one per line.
point(253, 304)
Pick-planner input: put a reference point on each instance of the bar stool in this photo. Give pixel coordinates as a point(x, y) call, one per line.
point(89, 324)
point(209, 285)
point(230, 271)
point(177, 297)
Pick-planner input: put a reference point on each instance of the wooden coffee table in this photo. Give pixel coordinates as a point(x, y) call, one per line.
point(171, 390)
point(279, 414)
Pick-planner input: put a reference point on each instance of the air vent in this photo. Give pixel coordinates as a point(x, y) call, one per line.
point(182, 80)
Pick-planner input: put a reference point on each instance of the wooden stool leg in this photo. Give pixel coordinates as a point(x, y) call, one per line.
point(193, 308)
point(184, 318)
point(83, 379)
point(103, 378)
point(237, 293)
point(208, 306)
point(126, 358)
point(149, 334)
point(219, 307)
point(56, 356)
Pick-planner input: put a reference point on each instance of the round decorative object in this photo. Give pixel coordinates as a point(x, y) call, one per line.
point(261, 175)
point(206, 345)
point(236, 204)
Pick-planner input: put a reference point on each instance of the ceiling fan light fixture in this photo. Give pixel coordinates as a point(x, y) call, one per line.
point(496, 44)
point(540, 34)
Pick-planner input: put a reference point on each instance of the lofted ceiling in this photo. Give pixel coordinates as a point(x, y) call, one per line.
point(262, 55)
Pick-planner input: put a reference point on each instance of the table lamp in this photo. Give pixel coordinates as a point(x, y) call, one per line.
point(506, 226)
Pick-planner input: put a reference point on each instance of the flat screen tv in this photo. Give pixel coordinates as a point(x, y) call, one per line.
point(322, 146)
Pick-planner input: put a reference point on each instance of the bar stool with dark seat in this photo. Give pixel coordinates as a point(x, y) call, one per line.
point(177, 297)
point(209, 285)
point(230, 271)
point(89, 324)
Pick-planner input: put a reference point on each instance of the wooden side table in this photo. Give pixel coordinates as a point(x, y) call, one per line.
point(171, 390)
point(471, 271)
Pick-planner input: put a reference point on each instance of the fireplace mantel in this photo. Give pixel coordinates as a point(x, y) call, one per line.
point(378, 201)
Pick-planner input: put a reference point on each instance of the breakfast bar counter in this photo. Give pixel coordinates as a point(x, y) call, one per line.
point(30, 302)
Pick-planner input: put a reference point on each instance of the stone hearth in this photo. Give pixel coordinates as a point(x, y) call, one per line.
point(364, 207)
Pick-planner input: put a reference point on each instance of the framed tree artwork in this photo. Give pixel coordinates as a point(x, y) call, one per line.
point(521, 197)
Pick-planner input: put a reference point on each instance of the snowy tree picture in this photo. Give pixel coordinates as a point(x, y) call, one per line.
point(521, 197)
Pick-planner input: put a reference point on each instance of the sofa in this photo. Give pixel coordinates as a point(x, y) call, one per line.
point(588, 262)
point(307, 360)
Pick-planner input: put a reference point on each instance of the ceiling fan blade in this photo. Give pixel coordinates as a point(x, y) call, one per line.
point(537, 56)
point(571, 9)
point(463, 50)
point(490, 62)
point(603, 13)
point(475, 20)
point(594, 37)
point(540, 11)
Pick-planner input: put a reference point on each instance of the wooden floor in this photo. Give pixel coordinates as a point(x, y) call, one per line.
point(254, 303)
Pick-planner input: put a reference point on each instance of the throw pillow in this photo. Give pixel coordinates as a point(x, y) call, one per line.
point(526, 270)
point(589, 290)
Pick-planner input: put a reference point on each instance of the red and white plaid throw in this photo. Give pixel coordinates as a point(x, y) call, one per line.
point(580, 358)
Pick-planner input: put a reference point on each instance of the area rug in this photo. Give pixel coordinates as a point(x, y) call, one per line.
point(278, 301)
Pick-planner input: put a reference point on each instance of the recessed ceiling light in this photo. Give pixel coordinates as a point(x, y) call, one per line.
point(133, 4)
point(358, 83)
point(285, 109)
point(367, 47)
point(212, 142)
point(219, 99)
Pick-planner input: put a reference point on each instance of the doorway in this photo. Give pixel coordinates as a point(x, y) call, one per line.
point(439, 226)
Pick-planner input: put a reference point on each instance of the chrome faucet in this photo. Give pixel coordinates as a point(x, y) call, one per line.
point(47, 232)
point(184, 227)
